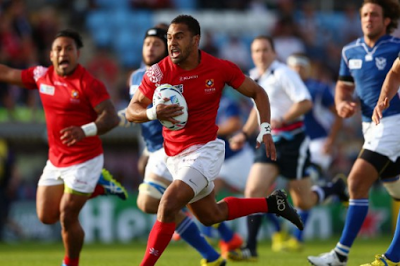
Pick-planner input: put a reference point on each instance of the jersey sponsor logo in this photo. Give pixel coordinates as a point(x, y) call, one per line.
point(188, 77)
point(209, 83)
point(58, 83)
point(380, 63)
point(355, 63)
point(74, 94)
point(154, 74)
point(46, 89)
point(209, 86)
point(74, 97)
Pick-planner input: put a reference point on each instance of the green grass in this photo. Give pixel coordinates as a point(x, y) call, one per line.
point(177, 254)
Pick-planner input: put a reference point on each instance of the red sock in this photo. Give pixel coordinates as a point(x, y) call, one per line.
point(239, 207)
point(71, 262)
point(159, 238)
point(98, 190)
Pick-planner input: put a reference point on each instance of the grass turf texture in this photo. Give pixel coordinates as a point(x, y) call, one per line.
point(177, 254)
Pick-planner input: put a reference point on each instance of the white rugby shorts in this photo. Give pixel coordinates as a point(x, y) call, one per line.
point(383, 138)
point(81, 177)
point(206, 159)
point(235, 169)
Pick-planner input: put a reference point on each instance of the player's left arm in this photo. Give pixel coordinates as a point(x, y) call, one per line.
point(107, 119)
point(390, 88)
point(251, 89)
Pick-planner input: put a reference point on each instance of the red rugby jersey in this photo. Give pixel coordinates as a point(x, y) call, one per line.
point(202, 88)
point(67, 101)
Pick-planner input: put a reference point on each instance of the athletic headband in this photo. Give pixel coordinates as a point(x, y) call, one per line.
point(298, 61)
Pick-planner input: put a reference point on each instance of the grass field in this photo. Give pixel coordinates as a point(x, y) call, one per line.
point(177, 254)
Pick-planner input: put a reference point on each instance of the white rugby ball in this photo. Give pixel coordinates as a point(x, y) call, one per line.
point(175, 97)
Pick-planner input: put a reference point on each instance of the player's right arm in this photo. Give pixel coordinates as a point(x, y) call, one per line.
point(11, 75)
point(251, 89)
point(136, 110)
point(390, 88)
point(345, 104)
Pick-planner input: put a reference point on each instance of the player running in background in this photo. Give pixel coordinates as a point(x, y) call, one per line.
point(290, 100)
point(364, 65)
point(194, 154)
point(156, 175)
point(78, 109)
point(322, 124)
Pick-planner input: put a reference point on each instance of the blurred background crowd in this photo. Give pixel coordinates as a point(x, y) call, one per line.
point(113, 32)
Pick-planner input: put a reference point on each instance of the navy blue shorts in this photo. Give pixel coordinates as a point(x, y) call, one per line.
point(293, 157)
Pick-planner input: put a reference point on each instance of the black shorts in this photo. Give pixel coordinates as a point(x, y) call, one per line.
point(293, 157)
point(383, 165)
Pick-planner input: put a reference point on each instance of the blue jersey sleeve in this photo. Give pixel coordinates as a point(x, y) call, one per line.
point(327, 97)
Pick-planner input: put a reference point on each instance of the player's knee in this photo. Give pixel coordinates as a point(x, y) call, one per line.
point(393, 188)
point(358, 188)
point(147, 204)
point(48, 218)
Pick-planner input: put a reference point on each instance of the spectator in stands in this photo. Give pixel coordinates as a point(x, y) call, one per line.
point(236, 51)
point(286, 38)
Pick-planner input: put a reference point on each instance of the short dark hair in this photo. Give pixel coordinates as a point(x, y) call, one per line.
point(267, 38)
point(71, 34)
point(190, 22)
point(390, 9)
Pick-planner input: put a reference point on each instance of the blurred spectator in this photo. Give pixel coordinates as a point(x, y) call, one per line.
point(286, 39)
point(8, 189)
point(105, 67)
point(236, 51)
point(258, 7)
point(311, 31)
point(151, 4)
point(45, 24)
point(208, 44)
point(351, 28)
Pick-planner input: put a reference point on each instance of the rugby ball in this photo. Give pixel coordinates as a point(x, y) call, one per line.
point(175, 97)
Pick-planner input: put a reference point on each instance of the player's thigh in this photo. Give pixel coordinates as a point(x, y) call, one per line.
point(362, 176)
point(48, 199)
point(301, 193)
point(260, 179)
point(176, 197)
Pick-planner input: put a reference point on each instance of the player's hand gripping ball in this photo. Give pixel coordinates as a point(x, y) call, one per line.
point(175, 97)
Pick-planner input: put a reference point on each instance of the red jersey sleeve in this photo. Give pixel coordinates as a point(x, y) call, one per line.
point(96, 92)
point(31, 75)
point(233, 75)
